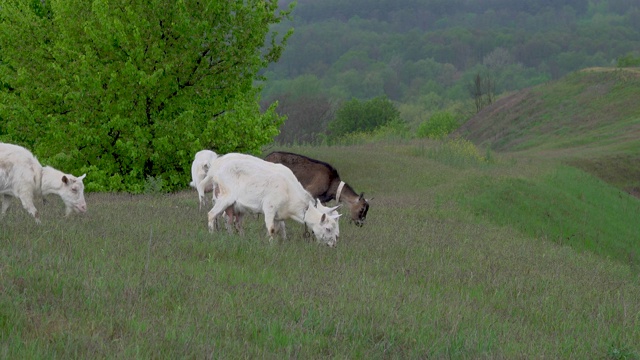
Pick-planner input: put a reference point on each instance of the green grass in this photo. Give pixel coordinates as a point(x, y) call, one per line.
point(438, 271)
point(620, 170)
point(589, 119)
point(567, 206)
point(585, 110)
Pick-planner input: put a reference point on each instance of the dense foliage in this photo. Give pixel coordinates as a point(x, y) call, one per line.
point(629, 61)
point(129, 91)
point(439, 125)
point(356, 115)
point(424, 54)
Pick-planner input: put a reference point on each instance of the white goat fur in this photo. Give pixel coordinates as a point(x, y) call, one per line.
point(199, 169)
point(249, 184)
point(234, 215)
point(22, 177)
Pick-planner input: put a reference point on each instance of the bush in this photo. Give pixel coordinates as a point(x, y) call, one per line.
point(628, 61)
point(438, 126)
point(393, 131)
point(363, 116)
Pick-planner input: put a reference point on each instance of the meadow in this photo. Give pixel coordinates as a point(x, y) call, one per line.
point(465, 255)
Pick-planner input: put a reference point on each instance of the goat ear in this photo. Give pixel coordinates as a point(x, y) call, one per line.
point(361, 196)
point(65, 179)
point(82, 177)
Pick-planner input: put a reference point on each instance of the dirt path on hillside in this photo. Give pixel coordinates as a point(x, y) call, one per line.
point(633, 70)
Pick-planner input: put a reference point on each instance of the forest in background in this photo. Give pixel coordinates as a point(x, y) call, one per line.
point(426, 55)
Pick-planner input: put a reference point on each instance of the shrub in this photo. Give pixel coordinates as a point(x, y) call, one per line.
point(437, 126)
point(457, 152)
point(394, 130)
point(356, 115)
point(628, 61)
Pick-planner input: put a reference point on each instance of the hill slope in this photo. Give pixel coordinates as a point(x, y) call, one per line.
point(589, 119)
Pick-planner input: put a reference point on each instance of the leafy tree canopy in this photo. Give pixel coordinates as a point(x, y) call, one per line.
point(130, 90)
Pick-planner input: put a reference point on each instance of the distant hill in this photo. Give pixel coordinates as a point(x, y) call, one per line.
point(589, 119)
point(424, 55)
point(407, 49)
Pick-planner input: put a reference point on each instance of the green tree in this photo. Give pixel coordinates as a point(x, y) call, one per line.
point(482, 89)
point(628, 61)
point(356, 115)
point(130, 90)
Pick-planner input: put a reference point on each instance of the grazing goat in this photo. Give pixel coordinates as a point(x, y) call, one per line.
point(323, 182)
point(199, 169)
point(245, 183)
point(22, 177)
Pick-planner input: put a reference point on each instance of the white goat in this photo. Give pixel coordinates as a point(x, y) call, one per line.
point(22, 177)
point(234, 215)
point(199, 169)
point(249, 184)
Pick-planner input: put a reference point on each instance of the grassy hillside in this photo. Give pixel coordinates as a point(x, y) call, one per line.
point(466, 254)
point(458, 260)
point(589, 119)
